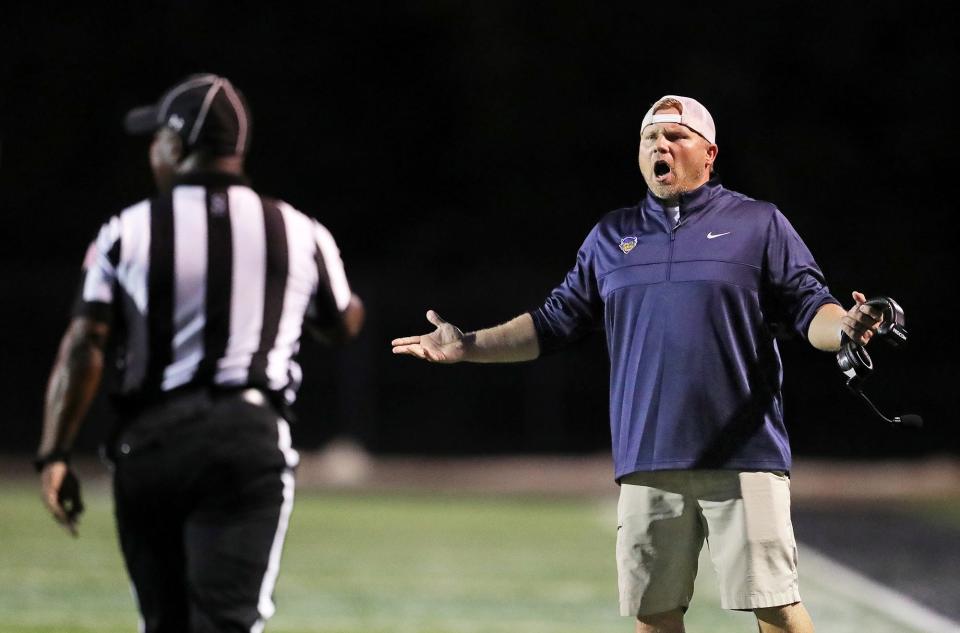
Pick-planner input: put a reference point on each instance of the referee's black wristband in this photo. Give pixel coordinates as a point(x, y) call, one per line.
point(53, 456)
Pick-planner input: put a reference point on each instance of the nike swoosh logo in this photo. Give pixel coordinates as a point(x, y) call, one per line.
point(712, 235)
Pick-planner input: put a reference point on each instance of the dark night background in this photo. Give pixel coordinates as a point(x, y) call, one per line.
point(460, 152)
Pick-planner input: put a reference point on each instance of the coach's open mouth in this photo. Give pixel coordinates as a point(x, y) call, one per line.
point(661, 168)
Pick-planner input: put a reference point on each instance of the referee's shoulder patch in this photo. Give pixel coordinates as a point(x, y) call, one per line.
point(90, 257)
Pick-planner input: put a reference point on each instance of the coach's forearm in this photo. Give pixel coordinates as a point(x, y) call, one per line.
point(512, 342)
point(824, 331)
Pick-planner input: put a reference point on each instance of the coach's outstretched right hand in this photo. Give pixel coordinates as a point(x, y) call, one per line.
point(443, 345)
point(510, 342)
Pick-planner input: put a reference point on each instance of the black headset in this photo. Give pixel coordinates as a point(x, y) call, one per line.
point(855, 363)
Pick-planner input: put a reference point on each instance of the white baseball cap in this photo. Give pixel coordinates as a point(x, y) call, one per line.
point(692, 114)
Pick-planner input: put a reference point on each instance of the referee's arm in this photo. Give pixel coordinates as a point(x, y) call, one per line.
point(73, 384)
point(341, 328)
point(334, 314)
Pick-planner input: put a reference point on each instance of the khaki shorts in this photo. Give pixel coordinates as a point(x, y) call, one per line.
point(663, 518)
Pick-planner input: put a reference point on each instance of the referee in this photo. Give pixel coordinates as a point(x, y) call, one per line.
point(205, 290)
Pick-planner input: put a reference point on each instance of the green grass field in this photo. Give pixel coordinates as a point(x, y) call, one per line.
point(372, 564)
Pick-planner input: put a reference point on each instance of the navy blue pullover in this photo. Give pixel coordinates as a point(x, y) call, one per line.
point(690, 314)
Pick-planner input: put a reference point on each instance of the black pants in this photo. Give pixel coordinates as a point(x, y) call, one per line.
point(204, 489)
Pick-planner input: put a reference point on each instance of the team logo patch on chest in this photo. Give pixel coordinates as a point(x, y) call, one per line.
point(627, 244)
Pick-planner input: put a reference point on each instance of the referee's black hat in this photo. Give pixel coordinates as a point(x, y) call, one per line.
point(205, 110)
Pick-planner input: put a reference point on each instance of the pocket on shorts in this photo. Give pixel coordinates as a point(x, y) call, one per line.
point(766, 503)
point(647, 504)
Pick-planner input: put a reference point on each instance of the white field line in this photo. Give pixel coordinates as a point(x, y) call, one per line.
point(860, 589)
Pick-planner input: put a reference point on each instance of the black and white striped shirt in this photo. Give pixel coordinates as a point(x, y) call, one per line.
point(211, 284)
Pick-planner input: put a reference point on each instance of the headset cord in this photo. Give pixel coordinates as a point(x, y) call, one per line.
point(876, 410)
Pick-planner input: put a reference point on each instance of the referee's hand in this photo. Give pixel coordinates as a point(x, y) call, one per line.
point(61, 495)
point(443, 345)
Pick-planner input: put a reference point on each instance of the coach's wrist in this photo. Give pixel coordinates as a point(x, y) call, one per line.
point(468, 346)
